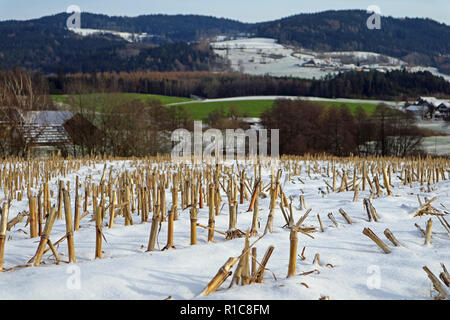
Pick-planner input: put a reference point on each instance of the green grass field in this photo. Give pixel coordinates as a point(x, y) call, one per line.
point(141, 96)
point(254, 108)
point(248, 108)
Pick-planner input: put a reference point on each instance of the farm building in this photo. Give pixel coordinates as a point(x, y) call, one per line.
point(40, 132)
point(433, 108)
point(419, 111)
point(444, 109)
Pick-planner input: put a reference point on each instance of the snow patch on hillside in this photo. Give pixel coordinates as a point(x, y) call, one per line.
point(130, 37)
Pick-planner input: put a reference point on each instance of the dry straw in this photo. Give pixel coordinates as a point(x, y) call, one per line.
point(3, 225)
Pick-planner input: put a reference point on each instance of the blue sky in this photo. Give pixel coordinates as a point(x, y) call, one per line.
point(243, 10)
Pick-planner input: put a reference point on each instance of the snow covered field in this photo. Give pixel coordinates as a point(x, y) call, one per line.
point(437, 145)
point(260, 56)
point(264, 56)
point(351, 265)
point(130, 37)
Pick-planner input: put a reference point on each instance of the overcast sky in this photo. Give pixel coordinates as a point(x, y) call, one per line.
point(243, 10)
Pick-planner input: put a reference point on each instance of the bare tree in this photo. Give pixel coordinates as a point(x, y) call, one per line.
point(20, 89)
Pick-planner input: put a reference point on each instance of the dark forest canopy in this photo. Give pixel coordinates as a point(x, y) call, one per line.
point(394, 85)
point(45, 44)
point(346, 30)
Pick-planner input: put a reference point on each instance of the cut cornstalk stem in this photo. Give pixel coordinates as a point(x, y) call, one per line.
point(55, 253)
point(320, 223)
point(445, 276)
point(369, 233)
point(69, 228)
point(211, 220)
point(356, 194)
point(316, 259)
point(98, 233)
point(444, 225)
point(242, 272)
point(293, 237)
point(76, 221)
point(44, 238)
point(111, 210)
point(302, 202)
point(345, 215)
point(56, 243)
point(153, 229)
point(436, 283)
point(390, 236)
point(193, 215)
point(303, 218)
point(269, 223)
point(331, 217)
point(420, 229)
point(19, 218)
point(33, 218)
point(258, 277)
point(209, 228)
point(386, 181)
point(222, 275)
point(302, 255)
point(3, 226)
point(428, 231)
point(371, 212)
point(254, 228)
point(254, 253)
point(254, 195)
point(77, 216)
point(169, 244)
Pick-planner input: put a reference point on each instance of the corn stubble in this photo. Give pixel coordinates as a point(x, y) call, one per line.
point(210, 187)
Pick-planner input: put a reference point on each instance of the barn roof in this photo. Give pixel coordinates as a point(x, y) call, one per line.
point(46, 127)
point(47, 117)
point(45, 134)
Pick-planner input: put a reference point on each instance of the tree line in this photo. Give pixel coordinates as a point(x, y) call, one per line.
point(116, 124)
point(307, 127)
point(394, 85)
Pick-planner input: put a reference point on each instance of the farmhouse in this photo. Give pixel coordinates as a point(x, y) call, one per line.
point(419, 111)
point(431, 108)
point(444, 109)
point(42, 131)
point(310, 63)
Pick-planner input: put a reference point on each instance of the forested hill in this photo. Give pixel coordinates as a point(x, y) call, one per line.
point(164, 28)
point(416, 40)
point(45, 44)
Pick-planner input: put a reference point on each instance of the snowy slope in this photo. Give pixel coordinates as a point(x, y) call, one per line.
point(130, 37)
point(260, 56)
point(360, 270)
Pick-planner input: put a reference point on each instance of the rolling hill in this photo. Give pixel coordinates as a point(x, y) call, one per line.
point(46, 44)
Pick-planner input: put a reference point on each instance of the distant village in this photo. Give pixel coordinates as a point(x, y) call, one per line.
point(430, 108)
point(267, 56)
point(330, 64)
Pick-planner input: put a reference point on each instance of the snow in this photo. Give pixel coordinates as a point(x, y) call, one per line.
point(360, 269)
point(251, 98)
point(264, 56)
point(261, 56)
point(364, 55)
point(130, 37)
point(437, 145)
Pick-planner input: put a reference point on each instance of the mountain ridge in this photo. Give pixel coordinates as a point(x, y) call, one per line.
point(46, 44)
